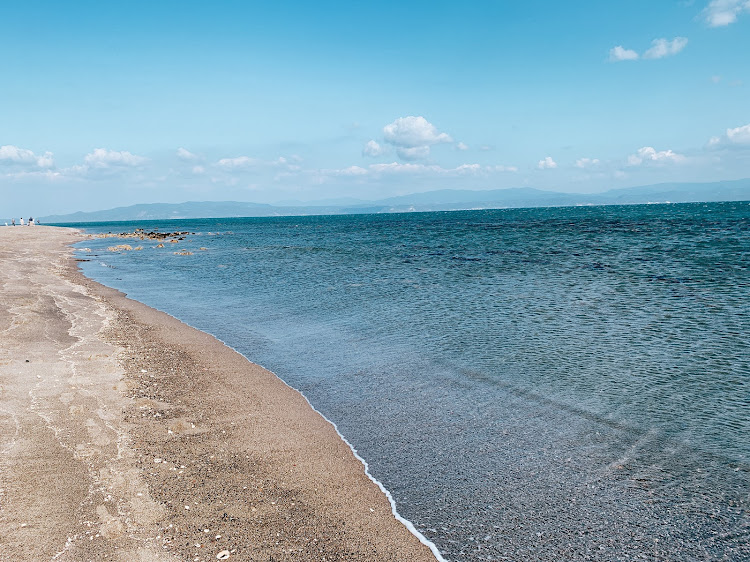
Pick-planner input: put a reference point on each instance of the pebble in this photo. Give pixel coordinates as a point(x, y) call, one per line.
point(223, 555)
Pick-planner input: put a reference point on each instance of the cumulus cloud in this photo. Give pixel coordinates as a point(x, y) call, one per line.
point(733, 137)
point(462, 146)
point(10, 154)
point(620, 53)
point(586, 162)
point(413, 131)
point(661, 48)
point(739, 135)
point(649, 154)
point(103, 158)
point(547, 164)
point(720, 13)
point(373, 149)
point(413, 136)
point(184, 154)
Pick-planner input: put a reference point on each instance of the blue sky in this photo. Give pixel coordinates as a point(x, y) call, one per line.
point(104, 105)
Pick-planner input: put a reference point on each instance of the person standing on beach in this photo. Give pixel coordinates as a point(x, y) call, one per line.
point(13, 222)
point(31, 221)
point(21, 221)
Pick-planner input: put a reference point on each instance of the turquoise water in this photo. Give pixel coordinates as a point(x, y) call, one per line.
point(560, 383)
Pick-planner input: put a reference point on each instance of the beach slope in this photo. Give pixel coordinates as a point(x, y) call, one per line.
point(127, 435)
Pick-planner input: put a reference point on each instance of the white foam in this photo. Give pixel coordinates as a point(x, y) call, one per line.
point(408, 524)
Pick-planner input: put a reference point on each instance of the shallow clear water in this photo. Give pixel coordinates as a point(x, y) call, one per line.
point(532, 384)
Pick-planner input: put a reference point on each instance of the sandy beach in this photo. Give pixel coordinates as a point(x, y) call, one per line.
point(127, 435)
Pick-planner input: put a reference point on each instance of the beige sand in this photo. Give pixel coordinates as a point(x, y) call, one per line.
point(127, 435)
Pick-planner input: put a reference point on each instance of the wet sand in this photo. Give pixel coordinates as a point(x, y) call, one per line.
point(127, 435)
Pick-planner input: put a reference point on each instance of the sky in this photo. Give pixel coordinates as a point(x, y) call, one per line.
point(112, 104)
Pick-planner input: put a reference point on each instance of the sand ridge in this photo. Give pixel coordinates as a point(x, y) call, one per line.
point(130, 436)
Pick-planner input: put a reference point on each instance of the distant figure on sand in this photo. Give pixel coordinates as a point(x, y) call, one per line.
point(31, 221)
point(13, 222)
point(21, 221)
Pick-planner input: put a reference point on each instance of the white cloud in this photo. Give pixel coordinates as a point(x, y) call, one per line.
point(413, 137)
point(184, 154)
point(413, 153)
point(620, 53)
point(198, 170)
point(45, 161)
point(586, 162)
point(661, 48)
point(468, 168)
point(547, 164)
point(649, 154)
point(733, 137)
point(462, 146)
point(282, 166)
point(720, 13)
point(103, 158)
point(102, 163)
point(739, 135)
point(350, 171)
point(373, 149)
point(410, 132)
point(10, 154)
point(237, 163)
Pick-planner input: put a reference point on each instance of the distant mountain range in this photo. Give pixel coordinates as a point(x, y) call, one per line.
point(442, 200)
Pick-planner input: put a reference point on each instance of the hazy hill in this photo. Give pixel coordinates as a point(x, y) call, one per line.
point(442, 200)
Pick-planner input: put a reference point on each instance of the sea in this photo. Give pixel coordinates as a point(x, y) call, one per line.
point(528, 384)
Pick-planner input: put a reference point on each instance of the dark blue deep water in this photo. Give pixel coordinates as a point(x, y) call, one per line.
point(530, 384)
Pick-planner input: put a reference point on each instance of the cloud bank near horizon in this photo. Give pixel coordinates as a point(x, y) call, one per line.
point(284, 175)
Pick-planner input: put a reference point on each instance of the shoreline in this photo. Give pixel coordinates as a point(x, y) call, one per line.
point(164, 441)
